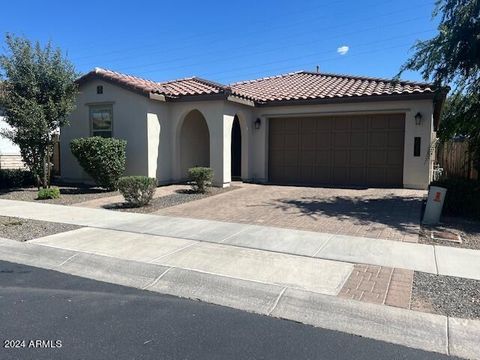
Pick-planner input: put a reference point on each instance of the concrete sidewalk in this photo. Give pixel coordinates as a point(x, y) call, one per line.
point(427, 258)
point(419, 330)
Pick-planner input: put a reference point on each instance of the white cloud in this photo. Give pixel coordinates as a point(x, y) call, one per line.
point(342, 50)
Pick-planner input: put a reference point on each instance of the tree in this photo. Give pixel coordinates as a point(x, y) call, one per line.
point(38, 93)
point(453, 57)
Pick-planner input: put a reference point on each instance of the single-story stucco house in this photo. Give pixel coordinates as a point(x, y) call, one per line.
point(297, 128)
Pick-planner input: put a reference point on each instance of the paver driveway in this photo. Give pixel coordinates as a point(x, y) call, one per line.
point(392, 214)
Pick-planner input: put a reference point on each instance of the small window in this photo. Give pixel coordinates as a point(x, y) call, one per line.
point(416, 146)
point(101, 120)
point(99, 89)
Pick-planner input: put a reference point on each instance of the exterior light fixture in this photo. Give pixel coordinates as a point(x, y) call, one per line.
point(258, 123)
point(418, 118)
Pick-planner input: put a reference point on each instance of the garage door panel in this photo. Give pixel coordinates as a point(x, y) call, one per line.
point(392, 175)
point(324, 124)
point(277, 142)
point(341, 175)
point(323, 140)
point(377, 139)
point(395, 139)
point(340, 157)
point(396, 122)
point(308, 125)
point(291, 158)
point(307, 158)
point(308, 141)
point(359, 140)
point(291, 140)
point(341, 123)
point(291, 125)
point(279, 127)
point(322, 175)
point(357, 175)
point(358, 158)
point(323, 157)
point(376, 176)
point(394, 158)
point(359, 124)
point(344, 150)
point(376, 158)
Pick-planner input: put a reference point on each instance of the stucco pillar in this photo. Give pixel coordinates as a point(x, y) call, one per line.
point(220, 148)
point(153, 141)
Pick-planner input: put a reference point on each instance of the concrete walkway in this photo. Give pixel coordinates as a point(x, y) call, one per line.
point(427, 258)
point(430, 332)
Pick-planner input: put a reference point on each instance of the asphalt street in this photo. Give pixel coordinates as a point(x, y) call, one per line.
point(77, 318)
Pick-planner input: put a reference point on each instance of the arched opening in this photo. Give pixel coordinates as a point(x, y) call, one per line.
point(194, 142)
point(236, 150)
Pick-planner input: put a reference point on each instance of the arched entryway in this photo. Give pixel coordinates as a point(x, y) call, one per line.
point(236, 150)
point(194, 142)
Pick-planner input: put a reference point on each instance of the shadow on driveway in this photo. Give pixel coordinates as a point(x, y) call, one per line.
point(402, 213)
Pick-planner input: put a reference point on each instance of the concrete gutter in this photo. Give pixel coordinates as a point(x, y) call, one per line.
point(404, 327)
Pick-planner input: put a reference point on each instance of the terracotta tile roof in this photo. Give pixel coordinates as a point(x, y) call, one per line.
point(192, 86)
point(128, 81)
point(307, 85)
point(173, 89)
point(300, 85)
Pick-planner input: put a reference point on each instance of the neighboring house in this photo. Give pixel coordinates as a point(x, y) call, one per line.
point(297, 128)
point(10, 157)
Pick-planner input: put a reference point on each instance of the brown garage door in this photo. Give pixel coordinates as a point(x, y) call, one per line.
point(364, 150)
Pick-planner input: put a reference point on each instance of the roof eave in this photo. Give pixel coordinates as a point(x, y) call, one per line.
point(200, 97)
point(95, 75)
point(353, 99)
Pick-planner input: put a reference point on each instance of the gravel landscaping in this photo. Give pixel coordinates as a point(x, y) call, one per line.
point(446, 295)
point(70, 194)
point(26, 229)
point(469, 230)
point(179, 197)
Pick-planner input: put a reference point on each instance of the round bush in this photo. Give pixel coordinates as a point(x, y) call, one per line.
point(201, 178)
point(48, 193)
point(137, 190)
point(102, 158)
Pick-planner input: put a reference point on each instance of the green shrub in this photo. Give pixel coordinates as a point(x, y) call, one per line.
point(102, 158)
point(462, 198)
point(48, 193)
point(15, 178)
point(137, 190)
point(201, 178)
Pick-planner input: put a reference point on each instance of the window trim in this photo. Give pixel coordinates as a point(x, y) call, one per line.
point(91, 108)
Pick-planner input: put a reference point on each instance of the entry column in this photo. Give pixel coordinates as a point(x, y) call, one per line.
point(220, 150)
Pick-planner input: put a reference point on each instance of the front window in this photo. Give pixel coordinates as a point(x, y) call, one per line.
point(101, 120)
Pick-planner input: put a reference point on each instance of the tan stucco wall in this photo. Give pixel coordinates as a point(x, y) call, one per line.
point(153, 131)
point(129, 123)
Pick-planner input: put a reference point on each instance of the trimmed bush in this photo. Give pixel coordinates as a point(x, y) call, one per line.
point(15, 178)
point(201, 178)
point(137, 190)
point(48, 193)
point(102, 158)
point(462, 198)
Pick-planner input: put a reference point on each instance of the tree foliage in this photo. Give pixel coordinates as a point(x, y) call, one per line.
point(38, 92)
point(452, 57)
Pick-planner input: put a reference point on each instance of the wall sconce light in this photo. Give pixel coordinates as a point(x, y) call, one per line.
point(258, 123)
point(418, 118)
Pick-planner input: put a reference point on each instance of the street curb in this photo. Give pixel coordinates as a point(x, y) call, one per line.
point(424, 331)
